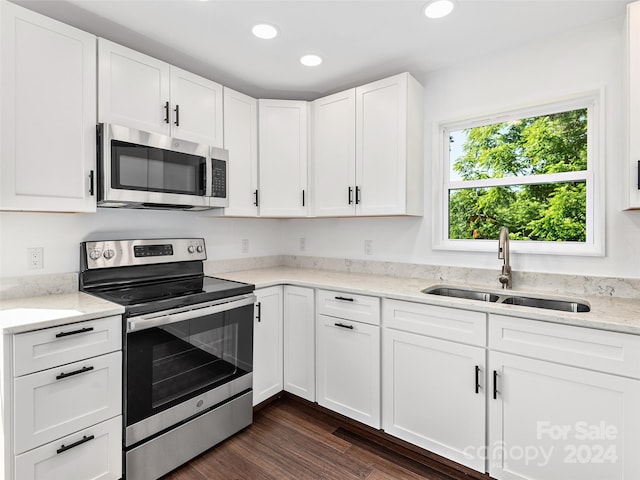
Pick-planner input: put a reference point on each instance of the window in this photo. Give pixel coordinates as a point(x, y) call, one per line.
point(532, 170)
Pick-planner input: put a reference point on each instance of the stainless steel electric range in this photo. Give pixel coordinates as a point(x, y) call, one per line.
point(188, 348)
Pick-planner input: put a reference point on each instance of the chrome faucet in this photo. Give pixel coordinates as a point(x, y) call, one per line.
point(503, 253)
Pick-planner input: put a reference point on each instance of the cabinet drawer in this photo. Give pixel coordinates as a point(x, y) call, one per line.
point(462, 326)
point(51, 347)
point(62, 400)
point(97, 455)
point(601, 350)
point(359, 308)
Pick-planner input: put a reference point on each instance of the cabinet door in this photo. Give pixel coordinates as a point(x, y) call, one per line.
point(299, 342)
point(434, 395)
point(94, 453)
point(389, 147)
point(348, 369)
point(633, 103)
point(267, 344)
point(283, 154)
point(133, 89)
point(197, 108)
point(241, 140)
point(334, 154)
point(48, 113)
point(553, 422)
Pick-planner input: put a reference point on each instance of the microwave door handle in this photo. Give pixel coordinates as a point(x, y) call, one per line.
point(143, 322)
point(203, 178)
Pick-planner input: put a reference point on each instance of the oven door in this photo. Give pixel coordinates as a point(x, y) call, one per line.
point(182, 362)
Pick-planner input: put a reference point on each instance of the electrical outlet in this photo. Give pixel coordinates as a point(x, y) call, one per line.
point(244, 245)
point(368, 247)
point(303, 244)
point(35, 258)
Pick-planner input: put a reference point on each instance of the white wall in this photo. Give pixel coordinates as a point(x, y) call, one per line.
point(60, 235)
point(575, 62)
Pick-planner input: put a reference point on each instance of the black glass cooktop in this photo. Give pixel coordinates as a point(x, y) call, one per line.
point(140, 298)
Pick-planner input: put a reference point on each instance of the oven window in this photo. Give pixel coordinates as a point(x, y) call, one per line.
point(138, 167)
point(169, 364)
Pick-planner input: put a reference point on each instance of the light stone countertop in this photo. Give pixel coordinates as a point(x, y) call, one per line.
point(33, 313)
point(607, 313)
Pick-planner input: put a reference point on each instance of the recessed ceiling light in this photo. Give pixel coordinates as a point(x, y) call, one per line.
point(311, 60)
point(265, 31)
point(439, 8)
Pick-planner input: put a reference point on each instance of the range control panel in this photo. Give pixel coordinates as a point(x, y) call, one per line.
point(121, 253)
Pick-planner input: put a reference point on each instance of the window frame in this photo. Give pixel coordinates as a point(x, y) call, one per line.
point(593, 101)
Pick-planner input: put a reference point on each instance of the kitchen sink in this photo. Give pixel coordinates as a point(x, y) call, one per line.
point(562, 305)
point(462, 293)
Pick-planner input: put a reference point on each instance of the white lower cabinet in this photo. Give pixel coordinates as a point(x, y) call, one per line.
point(563, 402)
point(556, 422)
point(299, 342)
point(66, 402)
point(434, 395)
point(348, 368)
point(267, 344)
point(94, 453)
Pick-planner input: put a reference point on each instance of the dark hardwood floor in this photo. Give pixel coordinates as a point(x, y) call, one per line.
point(291, 440)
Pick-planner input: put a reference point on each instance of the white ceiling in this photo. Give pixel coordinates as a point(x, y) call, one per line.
point(360, 40)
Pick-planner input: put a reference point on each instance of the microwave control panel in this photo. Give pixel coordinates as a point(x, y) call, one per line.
point(218, 178)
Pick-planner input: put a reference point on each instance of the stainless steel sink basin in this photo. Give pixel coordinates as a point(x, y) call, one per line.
point(558, 304)
point(462, 293)
point(561, 305)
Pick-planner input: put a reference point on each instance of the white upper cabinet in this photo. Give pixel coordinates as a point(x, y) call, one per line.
point(241, 140)
point(48, 113)
point(367, 150)
point(141, 92)
point(389, 148)
point(334, 154)
point(282, 132)
point(633, 104)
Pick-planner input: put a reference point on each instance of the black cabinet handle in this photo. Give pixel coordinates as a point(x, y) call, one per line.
point(303, 198)
point(638, 174)
point(91, 191)
point(166, 112)
point(74, 332)
point(256, 195)
point(342, 325)
point(177, 110)
point(259, 312)
point(84, 439)
point(357, 195)
point(495, 384)
point(350, 197)
point(477, 379)
point(75, 372)
point(346, 299)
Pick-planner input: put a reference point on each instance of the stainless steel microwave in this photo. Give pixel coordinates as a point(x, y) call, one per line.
point(139, 169)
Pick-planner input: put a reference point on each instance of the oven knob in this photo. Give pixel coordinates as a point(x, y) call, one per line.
point(95, 254)
point(108, 254)
point(191, 249)
point(199, 249)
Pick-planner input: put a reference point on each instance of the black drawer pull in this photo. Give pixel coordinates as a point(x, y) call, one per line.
point(259, 312)
point(346, 299)
point(495, 384)
point(85, 439)
point(74, 332)
point(342, 325)
point(477, 379)
point(75, 372)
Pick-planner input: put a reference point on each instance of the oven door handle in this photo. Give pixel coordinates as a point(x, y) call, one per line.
point(143, 322)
